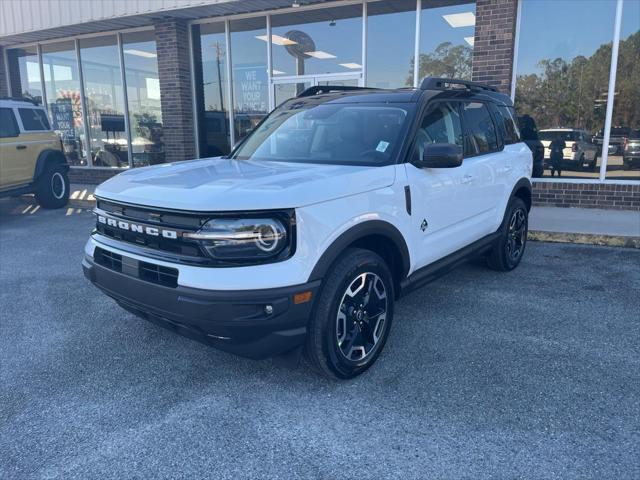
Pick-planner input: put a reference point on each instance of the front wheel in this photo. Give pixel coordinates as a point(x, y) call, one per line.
point(52, 188)
point(509, 247)
point(352, 317)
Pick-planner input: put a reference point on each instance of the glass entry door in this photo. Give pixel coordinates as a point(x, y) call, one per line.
point(284, 88)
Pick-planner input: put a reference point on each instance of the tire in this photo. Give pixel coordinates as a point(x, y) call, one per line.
point(52, 188)
point(509, 248)
point(342, 340)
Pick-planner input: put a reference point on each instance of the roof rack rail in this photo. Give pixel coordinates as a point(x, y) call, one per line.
point(435, 83)
point(317, 89)
point(21, 99)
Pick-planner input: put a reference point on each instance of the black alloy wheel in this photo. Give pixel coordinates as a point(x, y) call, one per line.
point(361, 317)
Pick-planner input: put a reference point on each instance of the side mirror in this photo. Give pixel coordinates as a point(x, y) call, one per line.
point(440, 155)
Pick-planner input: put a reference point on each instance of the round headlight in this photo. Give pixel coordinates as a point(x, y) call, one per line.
point(268, 236)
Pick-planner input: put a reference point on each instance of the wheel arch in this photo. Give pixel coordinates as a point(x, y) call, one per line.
point(523, 190)
point(49, 157)
point(379, 236)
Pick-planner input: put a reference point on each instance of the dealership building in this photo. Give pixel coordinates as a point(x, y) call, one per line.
point(141, 82)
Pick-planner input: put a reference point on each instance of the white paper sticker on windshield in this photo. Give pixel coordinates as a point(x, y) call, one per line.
point(382, 146)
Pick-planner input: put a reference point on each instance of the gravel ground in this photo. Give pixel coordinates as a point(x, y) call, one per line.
point(530, 374)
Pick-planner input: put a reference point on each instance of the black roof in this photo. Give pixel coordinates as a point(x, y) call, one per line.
point(430, 87)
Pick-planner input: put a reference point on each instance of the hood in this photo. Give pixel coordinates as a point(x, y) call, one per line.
point(220, 184)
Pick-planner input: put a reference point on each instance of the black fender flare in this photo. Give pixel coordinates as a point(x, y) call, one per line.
point(355, 233)
point(48, 157)
point(523, 183)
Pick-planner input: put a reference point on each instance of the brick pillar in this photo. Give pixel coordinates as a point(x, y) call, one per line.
point(176, 100)
point(4, 86)
point(494, 42)
point(14, 74)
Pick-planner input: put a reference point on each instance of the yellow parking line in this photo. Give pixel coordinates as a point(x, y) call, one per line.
point(27, 209)
point(34, 210)
point(82, 195)
point(69, 211)
point(75, 194)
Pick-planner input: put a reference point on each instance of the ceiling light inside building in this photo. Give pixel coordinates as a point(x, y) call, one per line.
point(457, 20)
point(278, 72)
point(319, 54)
point(277, 39)
point(351, 65)
point(469, 40)
point(140, 53)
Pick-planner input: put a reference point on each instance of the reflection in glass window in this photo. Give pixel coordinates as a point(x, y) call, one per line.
point(562, 76)
point(446, 40)
point(105, 101)
point(143, 95)
point(327, 40)
point(62, 85)
point(391, 28)
point(250, 81)
point(624, 157)
point(481, 136)
point(25, 61)
point(210, 68)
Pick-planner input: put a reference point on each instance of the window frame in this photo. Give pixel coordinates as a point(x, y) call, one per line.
point(15, 123)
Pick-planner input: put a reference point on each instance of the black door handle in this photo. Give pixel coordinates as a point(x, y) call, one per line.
point(21, 147)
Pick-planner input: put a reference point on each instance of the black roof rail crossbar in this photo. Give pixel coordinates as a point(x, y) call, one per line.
point(21, 99)
point(315, 90)
point(434, 83)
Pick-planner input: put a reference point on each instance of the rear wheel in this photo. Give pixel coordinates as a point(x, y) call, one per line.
point(52, 188)
point(352, 317)
point(509, 248)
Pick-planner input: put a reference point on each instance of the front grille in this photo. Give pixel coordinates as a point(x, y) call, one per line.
point(108, 259)
point(165, 276)
point(185, 248)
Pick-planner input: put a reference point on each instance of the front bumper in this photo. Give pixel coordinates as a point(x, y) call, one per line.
point(234, 321)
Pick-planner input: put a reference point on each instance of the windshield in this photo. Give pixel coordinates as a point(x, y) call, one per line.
point(346, 134)
point(566, 135)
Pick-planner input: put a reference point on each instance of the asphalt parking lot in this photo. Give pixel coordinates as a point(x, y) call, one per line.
point(531, 374)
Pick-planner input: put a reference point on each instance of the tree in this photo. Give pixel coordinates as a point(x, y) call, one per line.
point(447, 60)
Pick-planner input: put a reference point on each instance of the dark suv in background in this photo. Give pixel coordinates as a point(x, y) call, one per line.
point(631, 151)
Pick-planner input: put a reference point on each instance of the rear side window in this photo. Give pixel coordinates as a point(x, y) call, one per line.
point(33, 119)
point(8, 125)
point(505, 117)
point(480, 133)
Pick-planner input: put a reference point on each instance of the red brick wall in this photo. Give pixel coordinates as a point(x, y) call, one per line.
point(494, 42)
point(176, 100)
point(587, 195)
point(92, 176)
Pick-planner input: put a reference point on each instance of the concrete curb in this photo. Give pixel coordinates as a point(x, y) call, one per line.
point(585, 239)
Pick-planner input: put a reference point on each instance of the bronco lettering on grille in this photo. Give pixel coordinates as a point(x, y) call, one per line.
point(135, 227)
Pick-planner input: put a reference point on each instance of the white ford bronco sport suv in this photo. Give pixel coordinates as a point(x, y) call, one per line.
point(340, 201)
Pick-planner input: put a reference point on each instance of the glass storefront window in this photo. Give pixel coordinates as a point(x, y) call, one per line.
point(211, 79)
point(250, 79)
point(391, 28)
point(105, 101)
point(624, 157)
point(562, 80)
point(25, 61)
point(327, 40)
point(143, 96)
point(446, 39)
point(62, 85)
